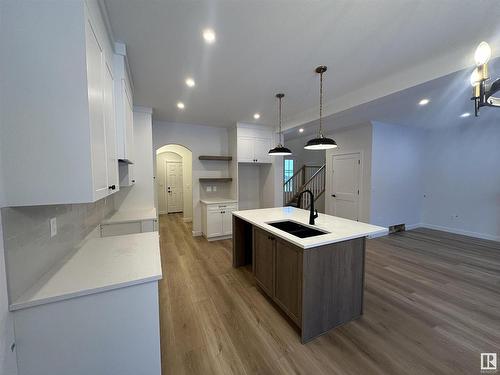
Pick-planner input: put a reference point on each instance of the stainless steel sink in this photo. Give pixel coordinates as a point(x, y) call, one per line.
point(296, 229)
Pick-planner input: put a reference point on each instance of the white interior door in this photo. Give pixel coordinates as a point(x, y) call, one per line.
point(173, 187)
point(345, 185)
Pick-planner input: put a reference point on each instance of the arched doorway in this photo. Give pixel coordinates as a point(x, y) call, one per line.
point(173, 180)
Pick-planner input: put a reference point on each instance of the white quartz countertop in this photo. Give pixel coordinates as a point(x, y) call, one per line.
point(218, 201)
point(131, 216)
point(339, 229)
point(101, 264)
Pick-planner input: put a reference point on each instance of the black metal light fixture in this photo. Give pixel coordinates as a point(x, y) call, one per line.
point(280, 150)
point(320, 142)
point(482, 91)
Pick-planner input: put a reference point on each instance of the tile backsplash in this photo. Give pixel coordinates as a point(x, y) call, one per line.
point(30, 251)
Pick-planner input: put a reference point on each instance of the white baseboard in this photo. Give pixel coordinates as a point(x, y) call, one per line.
point(413, 226)
point(483, 236)
point(187, 219)
point(197, 233)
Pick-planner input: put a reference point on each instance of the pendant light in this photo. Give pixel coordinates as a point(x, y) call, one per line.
point(280, 150)
point(320, 142)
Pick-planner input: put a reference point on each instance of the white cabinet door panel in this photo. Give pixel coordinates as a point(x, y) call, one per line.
point(110, 124)
point(227, 221)
point(129, 123)
point(96, 113)
point(261, 150)
point(214, 223)
point(245, 149)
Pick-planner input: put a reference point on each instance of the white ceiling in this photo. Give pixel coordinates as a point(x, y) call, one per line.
point(449, 98)
point(371, 48)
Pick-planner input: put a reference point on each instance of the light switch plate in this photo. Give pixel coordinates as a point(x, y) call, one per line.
point(214, 188)
point(53, 227)
point(209, 188)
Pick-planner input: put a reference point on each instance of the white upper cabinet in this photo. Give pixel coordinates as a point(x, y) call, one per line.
point(124, 106)
point(253, 145)
point(58, 121)
point(110, 125)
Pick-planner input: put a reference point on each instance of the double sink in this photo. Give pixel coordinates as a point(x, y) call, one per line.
point(296, 229)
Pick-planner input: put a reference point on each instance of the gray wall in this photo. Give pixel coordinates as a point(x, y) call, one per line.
point(397, 174)
point(29, 250)
point(462, 178)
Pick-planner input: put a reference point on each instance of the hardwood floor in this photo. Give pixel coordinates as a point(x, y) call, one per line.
point(432, 305)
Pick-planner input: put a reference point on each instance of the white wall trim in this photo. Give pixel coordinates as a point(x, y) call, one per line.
point(187, 219)
point(377, 235)
point(483, 236)
point(197, 233)
point(413, 226)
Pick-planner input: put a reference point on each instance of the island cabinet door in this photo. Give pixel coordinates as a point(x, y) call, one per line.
point(288, 279)
point(263, 260)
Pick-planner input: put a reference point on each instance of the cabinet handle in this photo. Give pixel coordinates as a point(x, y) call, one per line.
point(112, 187)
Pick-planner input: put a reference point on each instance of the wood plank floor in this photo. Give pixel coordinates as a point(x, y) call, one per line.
point(432, 305)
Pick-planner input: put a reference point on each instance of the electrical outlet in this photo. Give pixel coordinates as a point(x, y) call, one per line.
point(214, 188)
point(53, 227)
point(209, 188)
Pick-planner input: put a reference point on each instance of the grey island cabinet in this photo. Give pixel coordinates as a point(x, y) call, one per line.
point(317, 281)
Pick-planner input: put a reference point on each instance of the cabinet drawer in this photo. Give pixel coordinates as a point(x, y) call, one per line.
point(222, 207)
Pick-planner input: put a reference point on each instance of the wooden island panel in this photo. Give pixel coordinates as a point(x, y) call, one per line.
point(333, 286)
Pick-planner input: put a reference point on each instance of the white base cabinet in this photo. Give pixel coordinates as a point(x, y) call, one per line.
point(217, 220)
point(114, 332)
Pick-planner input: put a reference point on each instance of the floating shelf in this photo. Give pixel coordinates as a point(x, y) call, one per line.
point(216, 179)
point(214, 157)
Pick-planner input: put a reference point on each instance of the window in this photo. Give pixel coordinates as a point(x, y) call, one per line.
point(287, 174)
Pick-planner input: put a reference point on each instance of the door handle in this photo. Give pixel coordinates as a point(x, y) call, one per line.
point(333, 195)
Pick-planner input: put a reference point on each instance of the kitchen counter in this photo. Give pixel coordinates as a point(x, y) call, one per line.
point(218, 201)
point(101, 264)
point(339, 229)
point(131, 216)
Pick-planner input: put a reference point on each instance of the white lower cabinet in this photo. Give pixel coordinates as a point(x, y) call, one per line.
point(113, 332)
point(217, 219)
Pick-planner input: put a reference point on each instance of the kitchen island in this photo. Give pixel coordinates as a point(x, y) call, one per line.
point(313, 273)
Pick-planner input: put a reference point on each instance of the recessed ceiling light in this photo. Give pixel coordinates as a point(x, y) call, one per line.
point(190, 82)
point(424, 102)
point(209, 35)
point(180, 105)
point(466, 114)
point(256, 116)
point(301, 130)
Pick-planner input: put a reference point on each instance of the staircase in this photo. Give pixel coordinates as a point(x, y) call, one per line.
point(308, 177)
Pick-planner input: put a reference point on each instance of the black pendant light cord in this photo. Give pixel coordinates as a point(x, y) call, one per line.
point(320, 104)
point(279, 118)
